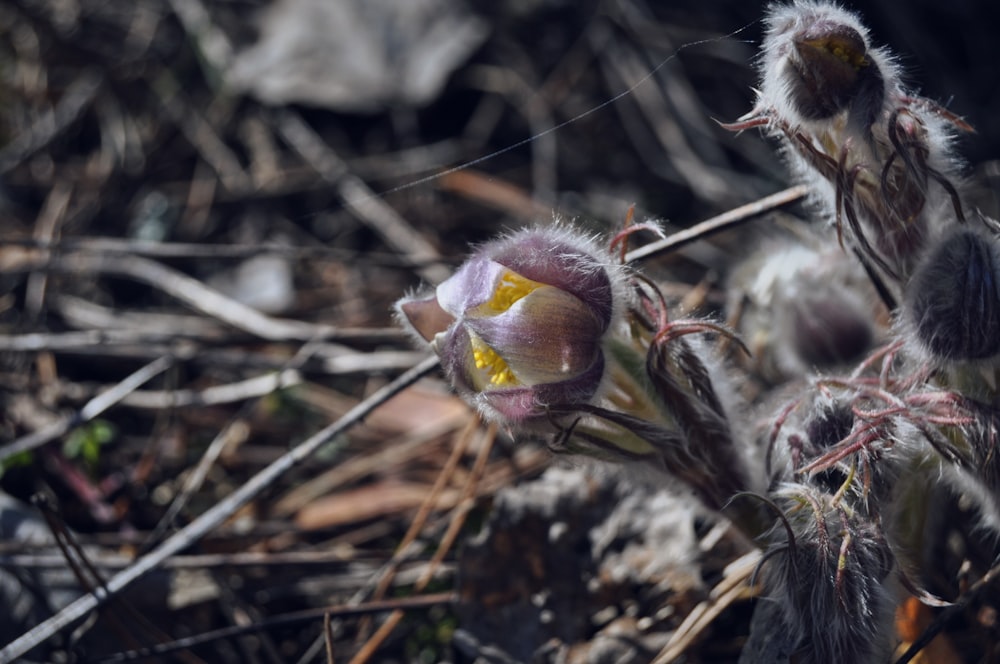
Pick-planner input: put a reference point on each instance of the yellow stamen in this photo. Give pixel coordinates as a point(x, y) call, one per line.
point(847, 54)
point(487, 359)
point(512, 287)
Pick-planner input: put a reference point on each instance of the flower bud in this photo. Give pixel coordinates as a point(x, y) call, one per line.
point(519, 327)
point(544, 332)
point(831, 576)
point(802, 309)
point(820, 73)
point(954, 298)
point(827, 66)
point(877, 157)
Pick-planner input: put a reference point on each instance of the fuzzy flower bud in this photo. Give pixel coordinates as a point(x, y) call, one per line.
point(546, 333)
point(878, 157)
point(802, 309)
point(831, 576)
point(818, 63)
point(954, 298)
point(520, 326)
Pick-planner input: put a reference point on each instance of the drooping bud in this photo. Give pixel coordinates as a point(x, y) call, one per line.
point(818, 63)
point(877, 157)
point(520, 326)
point(545, 333)
point(827, 67)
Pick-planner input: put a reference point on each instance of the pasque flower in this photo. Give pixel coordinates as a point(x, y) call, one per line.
point(546, 333)
point(520, 326)
point(543, 331)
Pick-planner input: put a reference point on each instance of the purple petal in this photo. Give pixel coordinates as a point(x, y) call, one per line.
point(455, 351)
point(546, 336)
point(425, 316)
point(548, 257)
point(516, 405)
point(511, 405)
point(473, 284)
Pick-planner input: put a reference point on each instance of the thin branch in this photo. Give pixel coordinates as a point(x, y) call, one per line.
point(92, 409)
point(239, 391)
point(732, 587)
point(404, 548)
point(235, 432)
point(58, 341)
point(187, 289)
point(721, 222)
point(454, 527)
point(111, 246)
point(46, 228)
point(41, 560)
point(328, 637)
point(326, 360)
point(85, 315)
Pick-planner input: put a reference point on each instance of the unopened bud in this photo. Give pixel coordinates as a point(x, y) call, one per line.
point(802, 309)
point(831, 578)
point(877, 157)
point(818, 62)
point(954, 298)
point(829, 70)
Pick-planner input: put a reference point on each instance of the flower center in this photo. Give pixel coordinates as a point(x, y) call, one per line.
point(511, 288)
point(487, 359)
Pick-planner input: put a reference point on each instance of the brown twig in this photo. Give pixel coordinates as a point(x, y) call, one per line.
point(187, 289)
point(732, 587)
point(718, 223)
point(458, 519)
point(430, 501)
point(239, 391)
point(46, 228)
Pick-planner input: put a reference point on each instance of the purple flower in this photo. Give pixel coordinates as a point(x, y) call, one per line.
point(519, 327)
